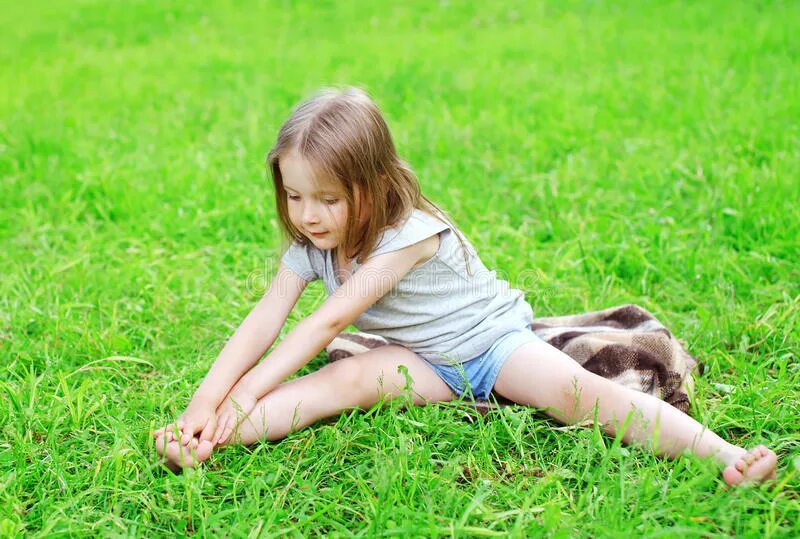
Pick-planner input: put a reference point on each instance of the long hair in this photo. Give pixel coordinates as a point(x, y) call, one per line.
point(343, 136)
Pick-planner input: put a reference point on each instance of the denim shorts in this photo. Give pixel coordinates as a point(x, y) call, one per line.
point(478, 375)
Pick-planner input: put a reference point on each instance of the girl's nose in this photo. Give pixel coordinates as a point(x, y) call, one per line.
point(310, 215)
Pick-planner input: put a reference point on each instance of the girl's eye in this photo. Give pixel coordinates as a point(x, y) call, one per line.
point(293, 197)
point(331, 202)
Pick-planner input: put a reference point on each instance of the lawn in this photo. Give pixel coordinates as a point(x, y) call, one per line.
point(629, 152)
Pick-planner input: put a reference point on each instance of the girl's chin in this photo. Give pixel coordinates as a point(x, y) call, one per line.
point(324, 242)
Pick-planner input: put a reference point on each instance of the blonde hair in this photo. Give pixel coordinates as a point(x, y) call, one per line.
point(342, 134)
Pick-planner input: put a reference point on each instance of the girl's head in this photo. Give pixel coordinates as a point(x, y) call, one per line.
point(336, 171)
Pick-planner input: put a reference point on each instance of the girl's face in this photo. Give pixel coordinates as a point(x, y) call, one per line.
point(317, 209)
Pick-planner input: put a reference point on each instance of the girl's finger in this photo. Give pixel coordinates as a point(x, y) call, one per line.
point(208, 430)
point(218, 421)
point(188, 433)
point(225, 423)
point(166, 428)
point(220, 429)
point(230, 427)
point(223, 437)
point(214, 435)
point(227, 434)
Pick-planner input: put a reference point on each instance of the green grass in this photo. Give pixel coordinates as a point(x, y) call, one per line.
point(643, 152)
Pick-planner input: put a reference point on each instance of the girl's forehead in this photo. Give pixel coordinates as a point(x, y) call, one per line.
point(313, 185)
point(299, 174)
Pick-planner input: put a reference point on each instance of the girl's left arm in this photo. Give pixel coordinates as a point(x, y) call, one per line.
point(367, 285)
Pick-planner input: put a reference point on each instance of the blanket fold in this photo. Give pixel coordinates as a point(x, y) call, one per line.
point(625, 344)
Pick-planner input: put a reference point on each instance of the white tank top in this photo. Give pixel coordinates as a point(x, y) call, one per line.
point(436, 310)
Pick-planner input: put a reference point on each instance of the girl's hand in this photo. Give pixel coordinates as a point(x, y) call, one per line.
point(199, 416)
point(230, 414)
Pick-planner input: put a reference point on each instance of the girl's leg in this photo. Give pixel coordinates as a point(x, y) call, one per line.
point(539, 375)
point(359, 381)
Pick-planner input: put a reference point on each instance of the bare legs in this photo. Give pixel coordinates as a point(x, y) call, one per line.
point(536, 374)
point(568, 392)
point(355, 382)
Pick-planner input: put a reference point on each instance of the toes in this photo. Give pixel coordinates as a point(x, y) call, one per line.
point(160, 446)
point(203, 451)
point(755, 466)
point(177, 456)
point(732, 476)
point(763, 469)
point(180, 456)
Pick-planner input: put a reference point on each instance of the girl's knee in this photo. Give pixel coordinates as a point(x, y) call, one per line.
point(345, 376)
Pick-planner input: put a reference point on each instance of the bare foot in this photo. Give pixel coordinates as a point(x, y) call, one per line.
point(754, 466)
point(177, 456)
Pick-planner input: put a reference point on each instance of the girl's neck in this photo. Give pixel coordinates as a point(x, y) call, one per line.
point(341, 259)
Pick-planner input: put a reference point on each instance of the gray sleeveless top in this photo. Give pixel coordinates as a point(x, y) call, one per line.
point(436, 310)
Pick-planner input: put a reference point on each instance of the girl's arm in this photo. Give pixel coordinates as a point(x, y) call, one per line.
point(253, 337)
point(367, 285)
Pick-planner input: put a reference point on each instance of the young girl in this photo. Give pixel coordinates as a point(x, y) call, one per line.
point(395, 265)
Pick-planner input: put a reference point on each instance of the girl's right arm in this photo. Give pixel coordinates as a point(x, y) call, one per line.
point(252, 339)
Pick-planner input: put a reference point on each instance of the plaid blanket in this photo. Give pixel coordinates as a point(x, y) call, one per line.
point(625, 344)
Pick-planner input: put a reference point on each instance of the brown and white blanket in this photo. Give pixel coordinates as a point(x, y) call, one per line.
point(625, 344)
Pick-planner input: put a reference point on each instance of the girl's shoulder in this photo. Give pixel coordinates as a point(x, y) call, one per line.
point(305, 260)
point(419, 226)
